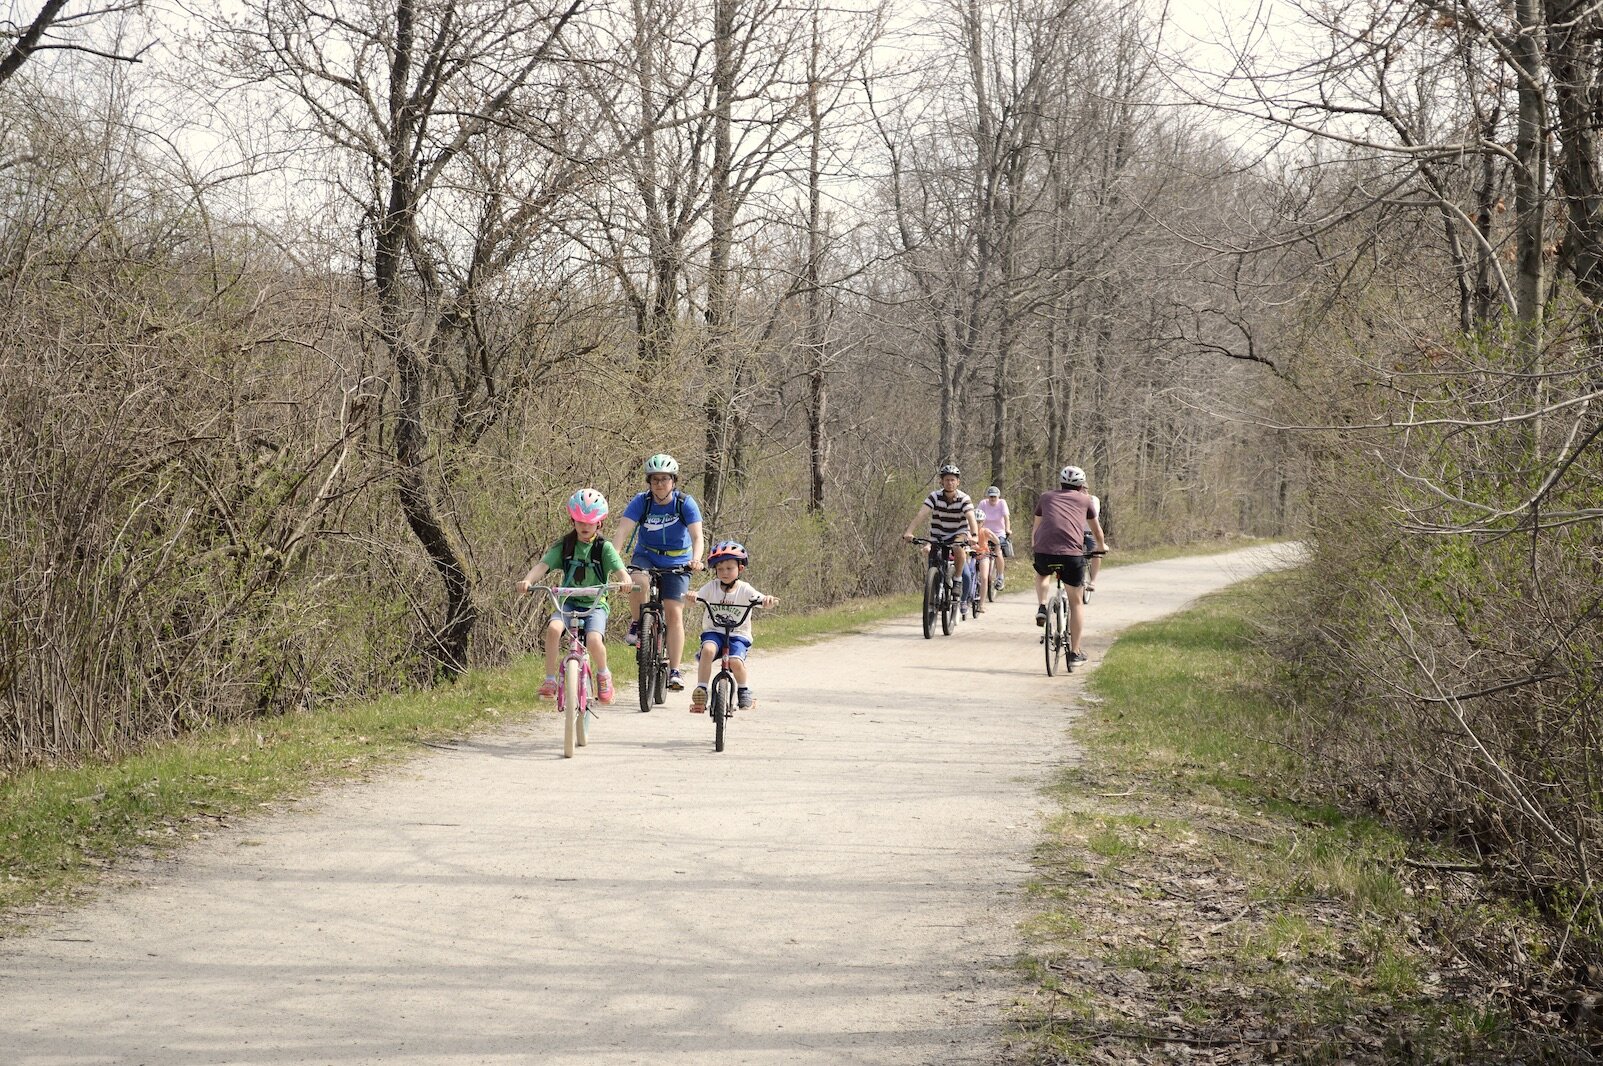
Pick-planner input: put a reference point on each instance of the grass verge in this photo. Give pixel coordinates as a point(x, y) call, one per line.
point(1190, 903)
point(61, 827)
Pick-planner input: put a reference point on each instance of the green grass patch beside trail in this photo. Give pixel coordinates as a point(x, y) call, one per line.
point(1188, 896)
point(60, 827)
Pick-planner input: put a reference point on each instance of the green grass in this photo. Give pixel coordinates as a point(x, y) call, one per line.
point(61, 826)
point(1186, 850)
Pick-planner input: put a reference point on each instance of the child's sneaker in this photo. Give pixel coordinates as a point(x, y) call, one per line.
point(744, 699)
point(548, 689)
point(604, 688)
point(675, 682)
point(698, 700)
point(632, 637)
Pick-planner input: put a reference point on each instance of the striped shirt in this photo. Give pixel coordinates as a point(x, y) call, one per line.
point(948, 517)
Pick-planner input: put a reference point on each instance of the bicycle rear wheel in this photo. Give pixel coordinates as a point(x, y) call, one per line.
point(719, 700)
point(1051, 640)
point(570, 706)
point(646, 660)
point(932, 599)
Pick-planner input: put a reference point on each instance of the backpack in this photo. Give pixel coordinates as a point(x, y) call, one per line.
point(597, 561)
point(678, 512)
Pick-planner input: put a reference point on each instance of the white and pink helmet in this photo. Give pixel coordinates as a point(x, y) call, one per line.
point(587, 505)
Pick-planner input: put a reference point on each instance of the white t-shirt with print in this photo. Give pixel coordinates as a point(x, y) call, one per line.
point(713, 593)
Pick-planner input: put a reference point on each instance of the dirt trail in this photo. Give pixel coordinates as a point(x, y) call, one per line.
point(840, 886)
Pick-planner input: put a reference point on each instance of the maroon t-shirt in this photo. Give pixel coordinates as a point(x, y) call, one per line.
point(1064, 515)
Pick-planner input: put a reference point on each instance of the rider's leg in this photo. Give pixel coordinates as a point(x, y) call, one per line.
point(673, 616)
point(1042, 583)
point(708, 659)
point(554, 631)
point(598, 651)
point(737, 666)
point(1076, 618)
point(638, 595)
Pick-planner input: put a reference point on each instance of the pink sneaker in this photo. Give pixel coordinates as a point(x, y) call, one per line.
point(604, 688)
point(548, 690)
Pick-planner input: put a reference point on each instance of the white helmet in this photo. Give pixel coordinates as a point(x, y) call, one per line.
point(1071, 477)
point(662, 463)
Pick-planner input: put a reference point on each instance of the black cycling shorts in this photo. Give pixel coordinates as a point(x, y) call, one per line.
point(1072, 567)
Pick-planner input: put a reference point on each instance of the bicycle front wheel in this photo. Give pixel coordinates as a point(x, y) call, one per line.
point(948, 607)
point(570, 706)
point(581, 723)
point(1052, 639)
point(990, 582)
point(646, 661)
point(719, 700)
point(932, 599)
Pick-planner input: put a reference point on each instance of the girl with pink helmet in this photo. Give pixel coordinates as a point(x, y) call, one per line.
point(584, 559)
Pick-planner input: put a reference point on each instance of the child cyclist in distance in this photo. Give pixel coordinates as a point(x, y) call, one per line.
point(584, 559)
point(728, 560)
point(670, 535)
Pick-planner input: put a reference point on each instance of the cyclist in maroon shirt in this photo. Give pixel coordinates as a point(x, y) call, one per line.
point(1058, 535)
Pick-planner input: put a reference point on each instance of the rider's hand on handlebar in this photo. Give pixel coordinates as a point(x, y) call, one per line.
point(908, 537)
point(697, 565)
point(523, 587)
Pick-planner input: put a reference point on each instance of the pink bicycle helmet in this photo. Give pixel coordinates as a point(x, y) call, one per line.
point(728, 549)
point(587, 505)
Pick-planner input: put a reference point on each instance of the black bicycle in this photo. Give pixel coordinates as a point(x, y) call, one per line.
point(721, 691)
point(651, 651)
point(941, 597)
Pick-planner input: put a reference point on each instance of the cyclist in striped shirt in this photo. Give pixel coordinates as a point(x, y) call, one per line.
point(950, 514)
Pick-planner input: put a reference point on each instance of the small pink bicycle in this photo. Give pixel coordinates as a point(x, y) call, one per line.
point(573, 695)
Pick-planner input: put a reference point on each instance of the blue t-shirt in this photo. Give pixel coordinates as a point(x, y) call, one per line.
point(663, 534)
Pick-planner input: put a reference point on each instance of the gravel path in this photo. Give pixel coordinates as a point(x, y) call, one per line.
point(840, 886)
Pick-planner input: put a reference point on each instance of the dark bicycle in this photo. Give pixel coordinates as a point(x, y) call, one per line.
point(941, 596)
point(1056, 639)
point(721, 691)
point(651, 652)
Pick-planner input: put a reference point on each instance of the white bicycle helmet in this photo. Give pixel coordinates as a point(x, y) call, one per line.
point(949, 468)
point(662, 463)
point(1071, 477)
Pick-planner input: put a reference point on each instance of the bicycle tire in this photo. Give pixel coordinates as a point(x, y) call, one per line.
point(1064, 637)
point(659, 691)
point(1085, 585)
point(581, 724)
point(931, 600)
point(570, 706)
point(948, 609)
point(645, 661)
point(990, 582)
point(719, 700)
point(1050, 638)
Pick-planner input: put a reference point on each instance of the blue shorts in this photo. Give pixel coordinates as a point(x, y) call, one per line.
point(738, 646)
point(594, 622)
point(674, 586)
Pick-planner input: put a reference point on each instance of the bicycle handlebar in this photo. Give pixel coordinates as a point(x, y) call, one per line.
point(683, 569)
point(964, 539)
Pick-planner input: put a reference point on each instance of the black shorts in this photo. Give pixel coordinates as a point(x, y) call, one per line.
point(1072, 567)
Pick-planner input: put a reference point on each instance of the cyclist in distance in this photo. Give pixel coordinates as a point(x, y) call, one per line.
point(950, 513)
point(994, 515)
point(669, 522)
point(1058, 534)
point(1093, 563)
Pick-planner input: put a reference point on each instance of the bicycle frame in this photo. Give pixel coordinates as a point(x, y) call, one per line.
point(727, 617)
point(651, 648)
point(942, 561)
point(573, 694)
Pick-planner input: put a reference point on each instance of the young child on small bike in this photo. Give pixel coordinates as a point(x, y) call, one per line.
point(728, 560)
point(585, 560)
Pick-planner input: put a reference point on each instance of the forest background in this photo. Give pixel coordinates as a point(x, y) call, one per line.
point(315, 313)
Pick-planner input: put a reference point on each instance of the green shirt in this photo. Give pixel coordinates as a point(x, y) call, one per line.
point(580, 573)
